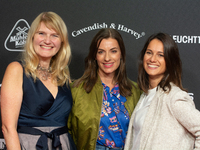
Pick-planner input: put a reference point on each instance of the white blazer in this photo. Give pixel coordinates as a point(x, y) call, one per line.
point(171, 123)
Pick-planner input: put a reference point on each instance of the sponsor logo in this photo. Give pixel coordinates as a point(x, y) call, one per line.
point(119, 27)
point(186, 39)
point(17, 37)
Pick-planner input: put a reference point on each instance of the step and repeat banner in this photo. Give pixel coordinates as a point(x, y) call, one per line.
point(135, 20)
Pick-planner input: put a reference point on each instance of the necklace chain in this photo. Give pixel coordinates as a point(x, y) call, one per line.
point(44, 73)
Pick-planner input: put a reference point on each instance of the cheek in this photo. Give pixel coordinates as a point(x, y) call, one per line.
point(98, 58)
point(117, 57)
point(145, 58)
point(36, 41)
point(58, 43)
point(164, 66)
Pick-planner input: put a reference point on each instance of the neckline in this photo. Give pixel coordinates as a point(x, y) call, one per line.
point(48, 89)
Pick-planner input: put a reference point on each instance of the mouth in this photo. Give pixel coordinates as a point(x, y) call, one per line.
point(108, 65)
point(152, 66)
point(46, 47)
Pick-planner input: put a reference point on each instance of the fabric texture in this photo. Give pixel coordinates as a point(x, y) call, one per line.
point(140, 114)
point(172, 123)
point(100, 147)
point(85, 116)
point(114, 118)
point(40, 110)
point(29, 142)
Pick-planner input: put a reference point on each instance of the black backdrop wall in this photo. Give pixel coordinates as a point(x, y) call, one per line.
point(134, 19)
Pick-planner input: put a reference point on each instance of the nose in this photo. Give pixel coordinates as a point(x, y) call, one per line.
point(153, 58)
point(47, 39)
point(107, 56)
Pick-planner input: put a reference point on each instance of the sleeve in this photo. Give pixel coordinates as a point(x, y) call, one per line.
point(187, 115)
point(71, 118)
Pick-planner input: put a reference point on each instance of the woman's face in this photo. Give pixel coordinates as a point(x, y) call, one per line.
point(46, 42)
point(153, 61)
point(108, 57)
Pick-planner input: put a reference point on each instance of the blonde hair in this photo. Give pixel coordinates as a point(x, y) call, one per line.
point(59, 63)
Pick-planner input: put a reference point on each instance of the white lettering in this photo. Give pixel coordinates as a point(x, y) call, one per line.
point(186, 39)
point(89, 28)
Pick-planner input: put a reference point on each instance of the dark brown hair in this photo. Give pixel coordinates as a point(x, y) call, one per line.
point(91, 68)
point(173, 64)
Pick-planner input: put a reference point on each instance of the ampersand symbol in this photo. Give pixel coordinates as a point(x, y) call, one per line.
point(112, 25)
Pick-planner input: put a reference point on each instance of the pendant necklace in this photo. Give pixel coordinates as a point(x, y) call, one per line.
point(44, 73)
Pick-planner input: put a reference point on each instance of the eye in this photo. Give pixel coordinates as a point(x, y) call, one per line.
point(148, 52)
point(114, 51)
point(40, 33)
point(160, 55)
point(100, 52)
point(55, 35)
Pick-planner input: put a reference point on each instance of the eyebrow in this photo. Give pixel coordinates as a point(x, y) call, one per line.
point(45, 32)
point(157, 52)
point(110, 49)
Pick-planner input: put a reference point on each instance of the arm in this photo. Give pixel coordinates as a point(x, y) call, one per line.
point(187, 115)
point(11, 99)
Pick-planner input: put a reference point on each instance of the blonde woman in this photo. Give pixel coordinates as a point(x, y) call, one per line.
point(36, 98)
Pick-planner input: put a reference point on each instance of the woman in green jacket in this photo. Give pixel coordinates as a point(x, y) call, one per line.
point(103, 98)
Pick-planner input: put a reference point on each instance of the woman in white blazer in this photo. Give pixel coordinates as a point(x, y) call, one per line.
point(165, 117)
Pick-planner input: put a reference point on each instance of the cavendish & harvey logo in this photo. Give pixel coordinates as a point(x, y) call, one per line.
point(17, 37)
point(119, 27)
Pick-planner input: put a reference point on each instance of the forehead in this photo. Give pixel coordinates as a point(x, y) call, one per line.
point(47, 26)
point(156, 46)
point(109, 43)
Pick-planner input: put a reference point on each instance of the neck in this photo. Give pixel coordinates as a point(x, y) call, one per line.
point(44, 63)
point(44, 71)
point(153, 83)
point(108, 80)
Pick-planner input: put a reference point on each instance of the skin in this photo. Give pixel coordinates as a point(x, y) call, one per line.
point(154, 62)
point(108, 59)
point(46, 43)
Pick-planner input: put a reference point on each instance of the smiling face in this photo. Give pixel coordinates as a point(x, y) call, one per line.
point(154, 62)
point(46, 42)
point(108, 57)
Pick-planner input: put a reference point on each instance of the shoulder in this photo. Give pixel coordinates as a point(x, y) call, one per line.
point(176, 91)
point(73, 85)
point(13, 77)
point(135, 87)
point(14, 68)
point(133, 82)
point(76, 89)
point(176, 95)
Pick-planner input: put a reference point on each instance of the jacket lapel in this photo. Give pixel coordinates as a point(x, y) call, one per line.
point(151, 118)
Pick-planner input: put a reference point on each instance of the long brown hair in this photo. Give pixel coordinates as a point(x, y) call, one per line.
point(173, 64)
point(91, 68)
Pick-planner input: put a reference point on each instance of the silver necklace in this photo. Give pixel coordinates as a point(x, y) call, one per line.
point(44, 73)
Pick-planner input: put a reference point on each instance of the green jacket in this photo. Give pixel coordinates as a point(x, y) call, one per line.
point(85, 115)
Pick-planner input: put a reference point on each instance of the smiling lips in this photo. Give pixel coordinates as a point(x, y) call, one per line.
point(108, 65)
point(152, 66)
point(46, 47)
